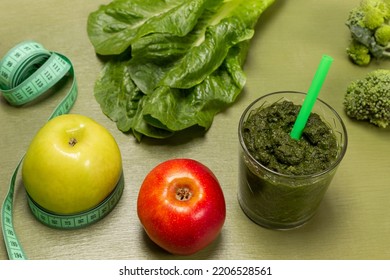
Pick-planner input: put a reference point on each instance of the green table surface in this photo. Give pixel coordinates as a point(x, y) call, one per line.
point(353, 222)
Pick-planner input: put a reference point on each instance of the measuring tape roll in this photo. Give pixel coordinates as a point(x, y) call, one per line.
point(26, 72)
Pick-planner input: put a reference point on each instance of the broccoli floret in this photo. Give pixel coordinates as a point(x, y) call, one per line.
point(382, 35)
point(359, 53)
point(369, 98)
point(369, 24)
point(375, 13)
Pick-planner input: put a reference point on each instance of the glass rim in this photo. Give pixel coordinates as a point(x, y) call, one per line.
point(340, 156)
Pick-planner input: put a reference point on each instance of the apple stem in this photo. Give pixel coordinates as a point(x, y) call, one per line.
point(72, 141)
point(183, 194)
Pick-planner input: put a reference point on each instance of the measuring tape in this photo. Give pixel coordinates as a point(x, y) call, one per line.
point(27, 71)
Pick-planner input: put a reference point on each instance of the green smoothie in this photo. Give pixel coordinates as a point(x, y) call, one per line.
point(266, 134)
point(282, 180)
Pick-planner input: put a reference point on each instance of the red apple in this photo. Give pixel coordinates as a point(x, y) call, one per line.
point(181, 206)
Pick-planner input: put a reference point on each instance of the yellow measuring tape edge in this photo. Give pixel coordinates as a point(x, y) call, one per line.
point(27, 71)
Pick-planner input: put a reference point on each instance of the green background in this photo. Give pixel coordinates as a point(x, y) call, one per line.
point(353, 221)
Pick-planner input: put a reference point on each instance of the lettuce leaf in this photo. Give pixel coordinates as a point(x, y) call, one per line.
point(114, 27)
point(175, 64)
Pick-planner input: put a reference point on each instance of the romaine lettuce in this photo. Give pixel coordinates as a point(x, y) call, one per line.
point(175, 63)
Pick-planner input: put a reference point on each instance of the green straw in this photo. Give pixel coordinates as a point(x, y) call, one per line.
point(311, 97)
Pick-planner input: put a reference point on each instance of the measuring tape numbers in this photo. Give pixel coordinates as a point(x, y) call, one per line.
point(27, 71)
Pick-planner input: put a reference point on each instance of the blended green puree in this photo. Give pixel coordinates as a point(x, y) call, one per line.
point(266, 134)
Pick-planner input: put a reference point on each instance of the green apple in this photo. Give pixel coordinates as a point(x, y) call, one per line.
point(72, 164)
